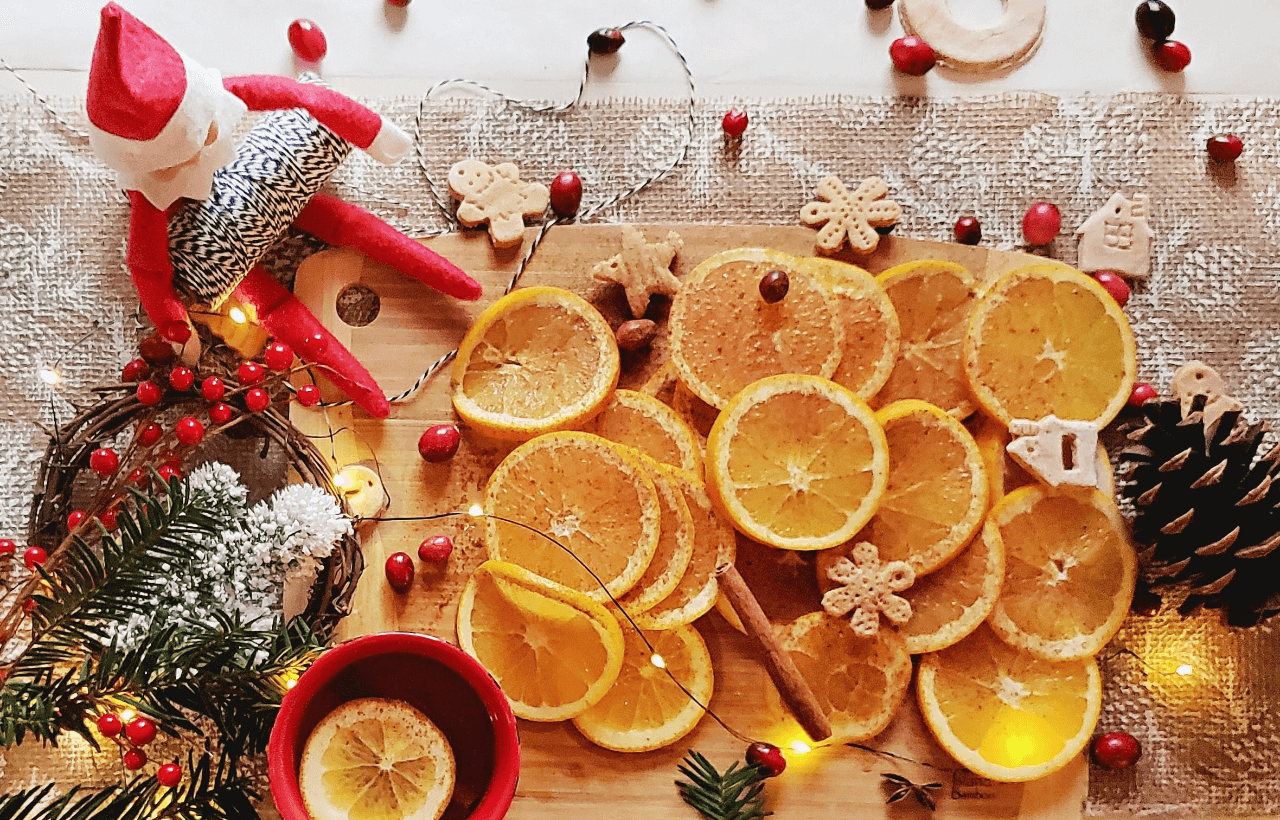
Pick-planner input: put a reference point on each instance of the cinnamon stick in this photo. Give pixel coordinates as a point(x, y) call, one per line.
point(793, 688)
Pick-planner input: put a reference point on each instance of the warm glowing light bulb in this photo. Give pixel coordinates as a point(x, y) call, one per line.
point(343, 482)
point(1185, 669)
point(475, 511)
point(290, 683)
point(128, 715)
point(658, 661)
point(49, 376)
point(237, 315)
point(800, 747)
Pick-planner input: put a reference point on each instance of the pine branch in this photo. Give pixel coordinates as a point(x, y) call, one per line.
point(733, 795)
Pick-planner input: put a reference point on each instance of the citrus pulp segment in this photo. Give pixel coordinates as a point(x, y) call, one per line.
point(1004, 713)
point(554, 651)
point(538, 359)
point(651, 427)
point(587, 494)
point(871, 331)
point(675, 544)
point(797, 462)
point(724, 335)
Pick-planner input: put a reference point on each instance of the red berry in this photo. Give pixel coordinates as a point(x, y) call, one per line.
point(1225, 147)
point(74, 518)
point(968, 231)
point(134, 759)
point(1155, 20)
point(1142, 393)
point(1172, 55)
point(1115, 750)
point(308, 395)
point(221, 413)
point(734, 123)
point(1041, 223)
point(768, 757)
point(140, 731)
point(398, 3)
point(213, 389)
point(149, 393)
point(1114, 285)
point(251, 373)
point(566, 194)
point(307, 41)
point(150, 434)
point(138, 476)
point(313, 346)
point(110, 724)
point(913, 56)
point(605, 41)
point(439, 443)
point(136, 370)
point(189, 430)
point(400, 571)
point(436, 548)
point(108, 518)
point(156, 351)
point(34, 557)
point(181, 378)
point(30, 605)
point(177, 332)
point(168, 471)
point(257, 400)
point(278, 356)
point(7, 547)
point(104, 461)
point(169, 775)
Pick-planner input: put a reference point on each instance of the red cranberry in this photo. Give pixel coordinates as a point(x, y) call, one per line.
point(168, 472)
point(307, 41)
point(74, 518)
point(135, 371)
point(436, 548)
point(140, 731)
point(134, 759)
point(34, 557)
point(177, 332)
point(1041, 223)
point(768, 757)
point(400, 571)
point(774, 286)
point(221, 413)
point(734, 123)
point(150, 434)
point(913, 56)
point(110, 724)
point(189, 430)
point(1142, 393)
point(1115, 750)
point(181, 378)
point(439, 443)
point(169, 775)
point(1172, 56)
point(7, 547)
point(257, 400)
point(156, 351)
point(149, 393)
point(251, 373)
point(968, 230)
point(278, 356)
point(138, 476)
point(398, 3)
point(1225, 147)
point(605, 41)
point(566, 194)
point(879, 5)
point(308, 395)
point(104, 461)
point(1114, 285)
point(213, 389)
point(1155, 20)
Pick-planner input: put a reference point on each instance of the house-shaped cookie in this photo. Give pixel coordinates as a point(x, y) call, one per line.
point(1117, 237)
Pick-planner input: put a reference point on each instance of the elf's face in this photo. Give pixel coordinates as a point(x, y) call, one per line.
point(192, 178)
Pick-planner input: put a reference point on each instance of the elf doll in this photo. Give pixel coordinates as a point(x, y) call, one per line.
point(204, 211)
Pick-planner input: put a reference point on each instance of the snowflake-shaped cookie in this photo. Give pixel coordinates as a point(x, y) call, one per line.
point(497, 195)
point(867, 588)
point(855, 215)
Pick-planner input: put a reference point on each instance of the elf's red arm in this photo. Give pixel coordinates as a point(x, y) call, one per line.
point(151, 268)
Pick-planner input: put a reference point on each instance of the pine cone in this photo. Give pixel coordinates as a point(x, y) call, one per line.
point(1207, 509)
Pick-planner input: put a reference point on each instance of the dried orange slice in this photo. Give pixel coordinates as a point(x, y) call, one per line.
point(590, 496)
point(645, 709)
point(694, 411)
point(1005, 714)
point(538, 359)
point(555, 652)
point(651, 427)
point(937, 493)
point(1069, 571)
point(932, 300)
point(1048, 340)
point(713, 545)
point(797, 462)
point(725, 336)
point(376, 757)
point(1004, 474)
point(675, 543)
point(871, 331)
point(859, 682)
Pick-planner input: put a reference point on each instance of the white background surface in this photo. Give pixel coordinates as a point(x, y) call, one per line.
point(736, 48)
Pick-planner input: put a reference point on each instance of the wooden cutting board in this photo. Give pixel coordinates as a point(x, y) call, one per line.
point(561, 772)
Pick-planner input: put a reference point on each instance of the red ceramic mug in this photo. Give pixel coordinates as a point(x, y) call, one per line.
point(442, 681)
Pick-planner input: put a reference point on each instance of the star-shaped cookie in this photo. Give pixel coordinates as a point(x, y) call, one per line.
point(855, 215)
point(642, 269)
point(867, 588)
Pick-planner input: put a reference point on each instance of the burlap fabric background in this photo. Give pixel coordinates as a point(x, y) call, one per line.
point(1211, 739)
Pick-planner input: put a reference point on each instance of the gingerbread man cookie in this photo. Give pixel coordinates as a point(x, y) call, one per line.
point(495, 194)
point(642, 269)
point(855, 215)
point(867, 588)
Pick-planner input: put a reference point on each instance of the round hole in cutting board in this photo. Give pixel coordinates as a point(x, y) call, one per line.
point(977, 14)
point(358, 305)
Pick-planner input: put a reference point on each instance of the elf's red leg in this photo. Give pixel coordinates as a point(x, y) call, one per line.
point(285, 318)
point(340, 223)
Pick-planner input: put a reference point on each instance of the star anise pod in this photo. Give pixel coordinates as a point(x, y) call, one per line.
point(900, 787)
